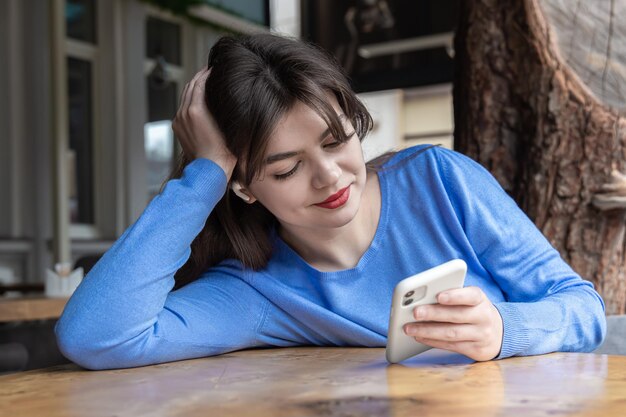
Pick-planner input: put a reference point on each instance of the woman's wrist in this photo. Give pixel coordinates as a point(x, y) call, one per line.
point(223, 162)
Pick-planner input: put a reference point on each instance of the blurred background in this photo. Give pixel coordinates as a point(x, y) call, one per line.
point(88, 89)
point(124, 64)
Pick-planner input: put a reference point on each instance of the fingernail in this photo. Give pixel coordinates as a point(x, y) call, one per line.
point(443, 298)
point(417, 313)
point(409, 331)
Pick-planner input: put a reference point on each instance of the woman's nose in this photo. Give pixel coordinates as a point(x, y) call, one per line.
point(326, 173)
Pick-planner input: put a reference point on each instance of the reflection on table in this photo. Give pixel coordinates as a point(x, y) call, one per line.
point(313, 381)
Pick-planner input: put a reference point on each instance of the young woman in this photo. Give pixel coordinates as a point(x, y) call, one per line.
point(275, 232)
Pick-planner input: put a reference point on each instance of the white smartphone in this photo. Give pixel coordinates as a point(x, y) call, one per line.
point(415, 290)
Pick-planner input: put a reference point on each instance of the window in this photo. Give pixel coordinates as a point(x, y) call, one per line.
point(159, 144)
point(81, 140)
point(163, 40)
point(82, 52)
point(256, 11)
point(164, 75)
point(386, 44)
point(80, 20)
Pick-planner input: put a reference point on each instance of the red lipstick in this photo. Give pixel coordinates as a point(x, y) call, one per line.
point(336, 200)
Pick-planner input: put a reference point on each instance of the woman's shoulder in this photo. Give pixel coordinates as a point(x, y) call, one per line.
point(428, 157)
point(412, 157)
point(227, 270)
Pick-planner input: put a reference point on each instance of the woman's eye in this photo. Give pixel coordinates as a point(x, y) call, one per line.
point(337, 143)
point(333, 144)
point(287, 174)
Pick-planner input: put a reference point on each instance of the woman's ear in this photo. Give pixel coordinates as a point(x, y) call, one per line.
point(241, 192)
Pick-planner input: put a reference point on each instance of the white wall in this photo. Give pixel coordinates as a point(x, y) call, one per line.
point(404, 118)
point(285, 17)
point(428, 115)
point(385, 108)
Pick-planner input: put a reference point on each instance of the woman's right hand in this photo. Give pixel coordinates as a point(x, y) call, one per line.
point(197, 131)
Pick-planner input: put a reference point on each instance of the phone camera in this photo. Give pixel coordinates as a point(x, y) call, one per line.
point(407, 302)
point(410, 293)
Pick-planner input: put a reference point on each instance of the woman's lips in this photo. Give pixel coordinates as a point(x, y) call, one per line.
point(336, 200)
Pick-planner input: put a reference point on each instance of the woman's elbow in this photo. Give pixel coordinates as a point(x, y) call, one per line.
point(599, 334)
point(593, 328)
point(78, 348)
point(600, 326)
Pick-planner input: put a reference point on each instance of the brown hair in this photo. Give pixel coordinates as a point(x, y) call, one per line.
point(255, 80)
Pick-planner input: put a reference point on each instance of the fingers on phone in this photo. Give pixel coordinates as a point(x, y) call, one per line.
point(468, 296)
point(444, 314)
point(442, 332)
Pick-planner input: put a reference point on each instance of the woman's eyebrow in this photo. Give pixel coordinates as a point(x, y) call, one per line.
point(286, 155)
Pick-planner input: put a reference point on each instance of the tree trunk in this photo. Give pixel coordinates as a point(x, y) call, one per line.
point(521, 112)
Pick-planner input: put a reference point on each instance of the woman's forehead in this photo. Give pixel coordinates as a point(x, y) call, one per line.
point(300, 127)
point(300, 123)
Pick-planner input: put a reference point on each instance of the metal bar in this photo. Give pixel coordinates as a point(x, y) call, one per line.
point(406, 45)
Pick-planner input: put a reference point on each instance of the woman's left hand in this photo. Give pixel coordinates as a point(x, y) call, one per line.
point(464, 321)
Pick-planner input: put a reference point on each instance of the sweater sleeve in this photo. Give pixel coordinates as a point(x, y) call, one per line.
point(547, 307)
point(123, 313)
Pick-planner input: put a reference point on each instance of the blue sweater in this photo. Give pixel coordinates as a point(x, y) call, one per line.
point(436, 206)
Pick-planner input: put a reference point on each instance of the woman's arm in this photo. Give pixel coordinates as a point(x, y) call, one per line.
point(548, 306)
point(123, 313)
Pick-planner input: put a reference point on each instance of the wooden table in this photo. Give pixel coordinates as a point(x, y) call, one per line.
point(30, 308)
point(327, 382)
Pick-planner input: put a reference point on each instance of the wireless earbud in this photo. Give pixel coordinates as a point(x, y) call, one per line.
point(237, 190)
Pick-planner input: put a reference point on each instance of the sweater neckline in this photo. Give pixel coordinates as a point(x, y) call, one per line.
point(365, 258)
